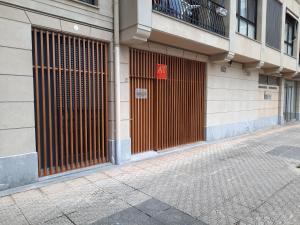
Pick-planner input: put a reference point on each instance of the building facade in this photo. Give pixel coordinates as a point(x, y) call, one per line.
point(85, 83)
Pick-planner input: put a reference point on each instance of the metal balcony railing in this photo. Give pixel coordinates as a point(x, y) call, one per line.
point(203, 13)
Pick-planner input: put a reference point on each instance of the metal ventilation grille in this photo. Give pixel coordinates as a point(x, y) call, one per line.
point(70, 77)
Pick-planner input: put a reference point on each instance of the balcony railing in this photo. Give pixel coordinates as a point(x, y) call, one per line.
point(202, 13)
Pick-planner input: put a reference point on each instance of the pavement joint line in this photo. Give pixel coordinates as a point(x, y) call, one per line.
point(67, 216)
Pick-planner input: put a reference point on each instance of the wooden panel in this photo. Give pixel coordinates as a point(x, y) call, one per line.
point(70, 80)
point(172, 113)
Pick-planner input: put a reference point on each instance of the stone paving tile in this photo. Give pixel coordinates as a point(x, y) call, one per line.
point(99, 210)
point(232, 182)
point(130, 216)
point(174, 217)
point(68, 199)
point(6, 202)
point(216, 217)
point(96, 177)
point(152, 207)
point(62, 220)
point(36, 207)
point(135, 198)
point(12, 215)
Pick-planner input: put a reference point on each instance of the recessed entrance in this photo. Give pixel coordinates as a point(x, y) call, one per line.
point(167, 101)
point(290, 93)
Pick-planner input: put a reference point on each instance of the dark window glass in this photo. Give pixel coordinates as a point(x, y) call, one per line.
point(92, 2)
point(246, 17)
point(273, 81)
point(273, 24)
point(289, 37)
point(263, 79)
point(268, 80)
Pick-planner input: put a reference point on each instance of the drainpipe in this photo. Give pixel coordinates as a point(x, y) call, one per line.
point(117, 81)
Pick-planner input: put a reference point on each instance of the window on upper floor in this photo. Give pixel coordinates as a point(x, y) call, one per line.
point(268, 80)
point(246, 17)
point(290, 34)
point(92, 2)
point(273, 24)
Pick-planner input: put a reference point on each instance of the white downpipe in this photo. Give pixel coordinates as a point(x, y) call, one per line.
point(117, 80)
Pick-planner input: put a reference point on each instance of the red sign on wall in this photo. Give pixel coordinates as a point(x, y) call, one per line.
point(161, 71)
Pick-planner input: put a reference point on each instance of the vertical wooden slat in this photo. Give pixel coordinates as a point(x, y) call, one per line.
point(66, 104)
point(94, 104)
point(138, 103)
point(49, 104)
point(55, 101)
point(85, 104)
point(80, 102)
point(102, 104)
point(75, 102)
point(106, 104)
point(98, 104)
point(60, 106)
point(90, 102)
point(71, 105)
point(44, 130)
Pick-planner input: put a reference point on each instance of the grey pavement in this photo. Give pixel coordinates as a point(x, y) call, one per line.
point(250, 180)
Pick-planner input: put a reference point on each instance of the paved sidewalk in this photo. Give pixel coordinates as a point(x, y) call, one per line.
point(248, 180)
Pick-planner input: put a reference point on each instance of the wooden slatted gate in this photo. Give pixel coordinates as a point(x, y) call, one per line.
point(70, 77)
point(165, 113)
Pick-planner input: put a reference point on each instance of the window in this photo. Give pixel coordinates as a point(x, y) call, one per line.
point(268, 80)
point(290, 31)
point(273, 24)
point(92, 2)
point(246, 17)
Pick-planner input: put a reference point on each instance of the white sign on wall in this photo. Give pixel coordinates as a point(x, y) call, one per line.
point(141, 93)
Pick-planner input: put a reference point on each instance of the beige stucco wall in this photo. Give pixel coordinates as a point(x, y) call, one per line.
point(17, 17)
point(247, 47)
point(234, 97)
point(124, 98)
point(16, 84)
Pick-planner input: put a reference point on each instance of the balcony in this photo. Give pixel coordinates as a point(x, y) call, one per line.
point(202, 13)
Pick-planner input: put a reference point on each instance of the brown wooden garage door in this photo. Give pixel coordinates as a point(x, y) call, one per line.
point(70, 77)
point(165, 113)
